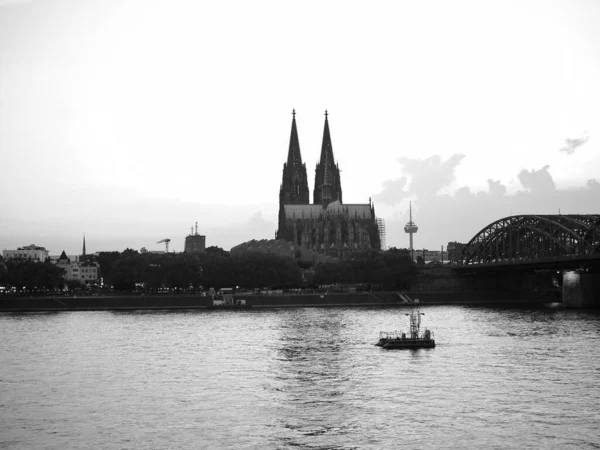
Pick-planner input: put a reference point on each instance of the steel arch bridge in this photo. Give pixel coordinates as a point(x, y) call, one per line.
point(530, 239)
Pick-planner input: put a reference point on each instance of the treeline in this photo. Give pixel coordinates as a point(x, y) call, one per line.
point(30, 275)
point(215, 268)
point(389, 270)
point(130, 270)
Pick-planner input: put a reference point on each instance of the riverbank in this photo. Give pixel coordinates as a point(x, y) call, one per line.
point(375, 299)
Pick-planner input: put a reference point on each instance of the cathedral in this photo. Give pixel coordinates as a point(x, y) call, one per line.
point(328, 225)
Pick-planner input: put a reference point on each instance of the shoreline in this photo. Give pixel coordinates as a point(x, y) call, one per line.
point(275, 301)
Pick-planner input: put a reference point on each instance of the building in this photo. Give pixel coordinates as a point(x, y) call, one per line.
point(72, 258)
point(431, 255)
point(75, 270)
point(455, 250)
point(329, 225)
point(32, 252)
point(194, 242)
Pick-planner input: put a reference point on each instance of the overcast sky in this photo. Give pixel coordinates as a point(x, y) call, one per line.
point(131, 121)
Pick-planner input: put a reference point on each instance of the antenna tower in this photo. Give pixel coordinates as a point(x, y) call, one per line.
point(411, 228)
point(381, 229)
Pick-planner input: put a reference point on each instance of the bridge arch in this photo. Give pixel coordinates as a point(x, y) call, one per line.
point(535, 238)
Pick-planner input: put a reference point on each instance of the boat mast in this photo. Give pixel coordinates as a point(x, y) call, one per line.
point(415, 324)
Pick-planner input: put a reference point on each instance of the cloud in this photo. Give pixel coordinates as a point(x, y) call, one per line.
point(393, 191)
point(258, 222)
point(496, 188)
point(424, 178)
point(593, 184)
point(429, 176)
point(459, 217)
point(444, 217)
point(114, 219)
point(537, 181)
point(572, 144)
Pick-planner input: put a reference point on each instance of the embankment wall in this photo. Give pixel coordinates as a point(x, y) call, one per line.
point(125, 302)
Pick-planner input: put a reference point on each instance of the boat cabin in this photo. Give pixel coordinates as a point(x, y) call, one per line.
point(226, 297)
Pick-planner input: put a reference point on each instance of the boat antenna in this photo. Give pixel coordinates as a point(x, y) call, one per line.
point(415, 323)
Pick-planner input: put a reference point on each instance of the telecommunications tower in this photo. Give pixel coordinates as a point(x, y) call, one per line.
point(411, 228)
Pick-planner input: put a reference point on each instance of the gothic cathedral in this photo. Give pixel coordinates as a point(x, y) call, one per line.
point(328, 225)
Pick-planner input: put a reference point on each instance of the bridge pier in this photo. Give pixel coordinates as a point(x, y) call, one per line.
point(581, 290)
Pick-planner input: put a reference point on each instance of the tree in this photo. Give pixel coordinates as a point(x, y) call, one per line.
point(32, 275)
point(107, 260)
point(402, 270)
point(3, 268)
point(329, 273)
point(127, 271)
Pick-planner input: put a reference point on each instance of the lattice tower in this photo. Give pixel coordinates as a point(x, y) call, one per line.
point(381, 228)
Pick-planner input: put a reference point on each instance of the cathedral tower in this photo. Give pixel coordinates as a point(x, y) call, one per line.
point(328, 226)
point(328, 187)
point(294, 182)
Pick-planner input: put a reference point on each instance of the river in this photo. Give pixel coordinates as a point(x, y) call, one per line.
point(499, 377)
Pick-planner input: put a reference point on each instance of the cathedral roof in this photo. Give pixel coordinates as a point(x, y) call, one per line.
point(303, 211)
point(358, 211)
point(294, 155)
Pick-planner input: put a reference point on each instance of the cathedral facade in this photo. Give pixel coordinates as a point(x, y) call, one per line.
point(327, 225)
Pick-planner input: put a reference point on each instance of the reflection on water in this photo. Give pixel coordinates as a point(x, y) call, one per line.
point(500, 377)
point(313, 376)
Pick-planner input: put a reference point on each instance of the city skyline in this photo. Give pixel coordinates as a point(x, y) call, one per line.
point(129, 122)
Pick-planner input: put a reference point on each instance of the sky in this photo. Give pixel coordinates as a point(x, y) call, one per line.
point(130, 121)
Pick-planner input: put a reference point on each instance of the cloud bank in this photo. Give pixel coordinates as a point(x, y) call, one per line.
point(572, 144)
point(425, 177)
point(444, 217)
point(537, 180)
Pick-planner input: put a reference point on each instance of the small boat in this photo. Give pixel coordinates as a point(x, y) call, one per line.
point(225, 299)
point(415, 339)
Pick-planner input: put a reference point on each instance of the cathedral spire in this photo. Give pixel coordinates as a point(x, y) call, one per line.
point(328, 186)
point(326, 190)
point(294, 155)
point(294, 182)
point(326, 147)
point(326, 177)
point(83, 253)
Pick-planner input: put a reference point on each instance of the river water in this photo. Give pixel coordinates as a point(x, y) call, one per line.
point(311, 378)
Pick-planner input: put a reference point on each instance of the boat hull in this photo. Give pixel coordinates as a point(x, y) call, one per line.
point(229, 307)
point(392, 344)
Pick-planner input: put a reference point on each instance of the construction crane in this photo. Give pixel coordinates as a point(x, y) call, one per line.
point(166, 241)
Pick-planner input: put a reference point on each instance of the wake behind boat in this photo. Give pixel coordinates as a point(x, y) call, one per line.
point(415, 339)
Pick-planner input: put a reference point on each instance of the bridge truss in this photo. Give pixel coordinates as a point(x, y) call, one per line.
point(534, 238)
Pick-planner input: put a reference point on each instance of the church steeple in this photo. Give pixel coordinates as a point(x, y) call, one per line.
point(328, 185)
point(83, 252)
point(294, 155)
point(294, 181)
point(326, 147)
